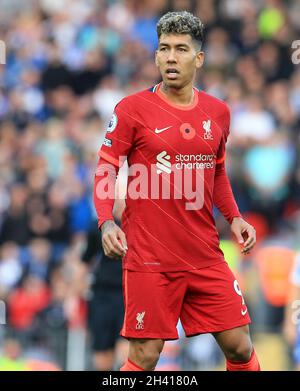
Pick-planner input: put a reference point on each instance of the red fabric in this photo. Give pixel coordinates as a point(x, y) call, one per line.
point(104, 206)
point(175, 232)
point(251, 365)
point(24, 305)
point(131, 366)
point(223, 196)
point(206, 300)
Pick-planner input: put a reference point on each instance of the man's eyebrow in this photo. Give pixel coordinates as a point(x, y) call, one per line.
point(177, 44)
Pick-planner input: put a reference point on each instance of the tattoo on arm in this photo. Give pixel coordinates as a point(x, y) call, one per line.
point(107, 225)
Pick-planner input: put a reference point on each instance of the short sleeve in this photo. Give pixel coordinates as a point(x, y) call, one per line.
point(225, 126)
point(119, 137)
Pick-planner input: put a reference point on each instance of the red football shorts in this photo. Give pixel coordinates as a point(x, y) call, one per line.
point(205, 300)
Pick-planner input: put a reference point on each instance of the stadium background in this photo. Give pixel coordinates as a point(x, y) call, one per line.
point(68, 62)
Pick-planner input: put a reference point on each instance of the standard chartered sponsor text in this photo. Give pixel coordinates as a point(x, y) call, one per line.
point(191, 162)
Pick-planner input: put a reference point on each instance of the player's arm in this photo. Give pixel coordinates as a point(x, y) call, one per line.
point(115, 148)
point(224, 199)
point(113, 238)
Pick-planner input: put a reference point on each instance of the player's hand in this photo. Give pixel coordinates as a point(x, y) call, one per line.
point(245, 234)
point(113, 240)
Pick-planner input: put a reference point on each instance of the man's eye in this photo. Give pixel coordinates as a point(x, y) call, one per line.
point(182, 49)
point(163, 49)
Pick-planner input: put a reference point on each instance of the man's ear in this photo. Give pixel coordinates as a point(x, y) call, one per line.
point(199, 59)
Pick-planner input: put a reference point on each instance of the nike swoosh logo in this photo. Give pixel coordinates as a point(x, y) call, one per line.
point(244, 312)
point(162, 130)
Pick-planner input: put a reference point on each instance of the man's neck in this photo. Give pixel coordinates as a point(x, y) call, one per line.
point(180, 96)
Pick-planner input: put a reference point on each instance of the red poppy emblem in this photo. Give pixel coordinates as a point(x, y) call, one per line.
point(187, 131)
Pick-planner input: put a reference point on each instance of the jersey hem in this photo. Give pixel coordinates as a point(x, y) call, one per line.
point(170, 270)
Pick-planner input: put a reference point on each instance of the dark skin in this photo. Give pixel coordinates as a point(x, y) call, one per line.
point(178, 58)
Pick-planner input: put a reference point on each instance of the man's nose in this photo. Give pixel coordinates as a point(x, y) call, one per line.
point(171, 56)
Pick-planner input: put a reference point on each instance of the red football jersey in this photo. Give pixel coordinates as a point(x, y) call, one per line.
point(172, 153)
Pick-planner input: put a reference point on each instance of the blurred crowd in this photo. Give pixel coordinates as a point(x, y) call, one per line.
point(68, 62)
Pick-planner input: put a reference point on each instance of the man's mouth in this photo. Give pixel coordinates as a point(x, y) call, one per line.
point(172, 73)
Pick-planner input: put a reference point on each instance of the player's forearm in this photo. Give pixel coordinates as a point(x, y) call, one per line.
point(104, 190)
point(223, 196)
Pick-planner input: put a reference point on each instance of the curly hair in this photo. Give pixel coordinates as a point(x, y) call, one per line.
point(181, 22)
